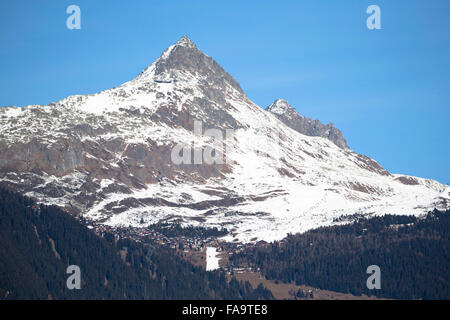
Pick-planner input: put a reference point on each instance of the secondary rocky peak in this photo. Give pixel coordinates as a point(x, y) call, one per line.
point(307, 126)
point(280, 106)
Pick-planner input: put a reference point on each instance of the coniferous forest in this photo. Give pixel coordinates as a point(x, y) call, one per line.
point(413, 255)
point(39, 242)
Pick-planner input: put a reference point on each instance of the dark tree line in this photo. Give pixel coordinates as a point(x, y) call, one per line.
point(412, 253)
point(38, 243)
point(176, 230)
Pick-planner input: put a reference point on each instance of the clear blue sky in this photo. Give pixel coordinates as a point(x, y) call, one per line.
point(387, 90)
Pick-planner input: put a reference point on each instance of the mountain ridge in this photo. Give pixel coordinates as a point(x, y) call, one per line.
point(289, 116)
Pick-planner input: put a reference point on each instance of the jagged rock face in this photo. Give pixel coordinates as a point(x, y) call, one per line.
point(186, 57)
point(310, 127)
point(210, 86)
point(109, 157)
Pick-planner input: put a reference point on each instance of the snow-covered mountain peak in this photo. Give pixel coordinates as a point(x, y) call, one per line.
point(183, 64)
point(109, 157)
point(280, 106)
point(185, 42)
point(181, 77)
point(310, 127)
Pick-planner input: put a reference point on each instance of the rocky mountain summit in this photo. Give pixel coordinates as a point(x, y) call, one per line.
point(109, 157)
point(307, 126)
